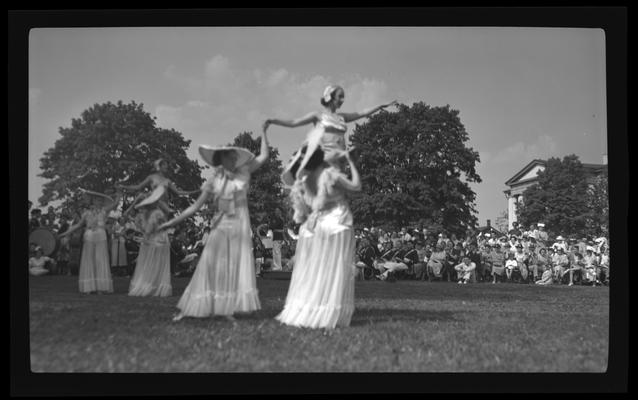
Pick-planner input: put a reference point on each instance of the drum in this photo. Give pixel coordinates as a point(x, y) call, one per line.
point(46, 239)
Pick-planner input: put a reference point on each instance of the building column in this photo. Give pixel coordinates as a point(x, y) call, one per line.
point(511, 211)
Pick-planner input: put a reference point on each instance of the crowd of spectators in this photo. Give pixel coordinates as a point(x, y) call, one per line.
point(521, 256)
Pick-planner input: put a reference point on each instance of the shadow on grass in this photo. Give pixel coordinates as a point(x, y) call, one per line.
point(367, 316)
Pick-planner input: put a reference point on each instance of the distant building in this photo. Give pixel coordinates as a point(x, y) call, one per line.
point(527, 177)
point(488, 228)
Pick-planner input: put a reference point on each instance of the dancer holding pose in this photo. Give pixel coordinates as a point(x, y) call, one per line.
point(95, 270)
point(321, 292)
point(330, 126)
point(152, 276)
point(160, 185)
point(224, 280)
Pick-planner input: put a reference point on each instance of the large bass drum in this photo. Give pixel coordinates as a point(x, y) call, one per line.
point(46, 239)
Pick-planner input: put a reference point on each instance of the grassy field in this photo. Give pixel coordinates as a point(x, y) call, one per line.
point(405, 326)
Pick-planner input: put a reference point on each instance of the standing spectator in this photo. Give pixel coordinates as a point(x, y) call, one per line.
point(38, 263)
point(514, 231)
point(404, 235)
point(532, 262)
point(533, 231)
point(395, 240)
point(34, 222)
point(582, 245)
point(420, 267)
point(521, 262)
point(575, 264)
point(510, 266)
point(560, 243)
point(590, 264)
point(64, 251)
point(541, 235)
point(604, 267)
point(118, 244)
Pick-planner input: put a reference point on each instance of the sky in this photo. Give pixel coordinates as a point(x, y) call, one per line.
point(522, 93)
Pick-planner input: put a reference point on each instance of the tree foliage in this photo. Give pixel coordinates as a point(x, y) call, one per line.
point(415, 167)
point(111, 143)
point(559, 199)
point(597, 222)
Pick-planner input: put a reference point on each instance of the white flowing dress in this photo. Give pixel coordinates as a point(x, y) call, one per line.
point(224, 280)
point(95, 269)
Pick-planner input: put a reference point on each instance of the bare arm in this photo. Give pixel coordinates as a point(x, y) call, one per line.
point(349, 117)
point(181, 192)
point(203, 197)
point(142, 185)
point(353, 184)
point(263, 154)
point(113, 204)
point(72, 228)
point(312, 117)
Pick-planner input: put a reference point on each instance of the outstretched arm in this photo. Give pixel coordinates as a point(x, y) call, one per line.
point(203, 197)
point(173, 188)
point(143, 184)
point(72, 228)
point(263, 154)
point(312, 117)
point(114, 203)
point(353, 184)
point(349, 117)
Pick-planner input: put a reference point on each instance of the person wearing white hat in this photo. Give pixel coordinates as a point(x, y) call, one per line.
point(321, 292)
point(159, 184)
point(95, 268)
point(542, 235)
point(590, 264)
point(560, 243)
point(224, 281)
point(330, 126)
point(152, 276)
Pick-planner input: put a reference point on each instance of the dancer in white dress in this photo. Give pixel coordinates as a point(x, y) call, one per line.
point(152, 276)
point(224, 280)
point(321, 292)
point(159, 184)
point(95, 270)
point(330, 126)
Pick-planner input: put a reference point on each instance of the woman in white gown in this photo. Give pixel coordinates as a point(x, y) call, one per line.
point(224, 280)
point(321, 292)
point(95, 269)
point(152, 276)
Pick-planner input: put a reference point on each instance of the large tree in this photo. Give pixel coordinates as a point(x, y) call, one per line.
point(265, 197)
point(110, 143)
point(559, 198)
point(597, 222)
point(415, 168)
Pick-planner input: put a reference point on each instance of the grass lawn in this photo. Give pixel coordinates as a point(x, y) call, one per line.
point(405, 326)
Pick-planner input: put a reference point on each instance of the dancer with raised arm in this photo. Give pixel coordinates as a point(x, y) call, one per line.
point(330, 126)
point(95, 269)
point(224, 280)
point(321, 292)
point(160, 185)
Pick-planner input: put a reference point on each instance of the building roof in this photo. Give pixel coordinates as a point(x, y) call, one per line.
point(592, 168)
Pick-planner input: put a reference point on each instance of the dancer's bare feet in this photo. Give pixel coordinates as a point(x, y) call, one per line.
point(177, 317)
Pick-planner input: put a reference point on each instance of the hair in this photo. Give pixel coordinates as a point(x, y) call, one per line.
point(332, 95)
point(316, 159)
point(218, 156)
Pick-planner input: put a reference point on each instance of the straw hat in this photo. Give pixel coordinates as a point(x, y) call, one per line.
point(208, 152)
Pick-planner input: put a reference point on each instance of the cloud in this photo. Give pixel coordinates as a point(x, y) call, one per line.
point(226, 99)
point(522, 152)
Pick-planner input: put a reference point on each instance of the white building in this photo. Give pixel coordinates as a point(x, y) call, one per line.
point(527, 177)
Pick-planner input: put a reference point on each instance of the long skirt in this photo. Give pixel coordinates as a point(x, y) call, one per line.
point(321, 292)
point(224, 280)
point(95, 271)
point(118, 252)
point(152, 276)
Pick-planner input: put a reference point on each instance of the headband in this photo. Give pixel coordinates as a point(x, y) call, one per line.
point(327, 93)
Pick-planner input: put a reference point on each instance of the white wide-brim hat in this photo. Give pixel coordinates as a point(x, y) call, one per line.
point(208, 152)
point(560, 238)
point(155, 195)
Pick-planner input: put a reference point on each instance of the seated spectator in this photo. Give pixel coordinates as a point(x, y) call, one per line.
point(560, 243)
point(521, 262)
point(388, 268)
point(547, 278)
point(560, 263)
point(575, 264)
point(410, 258)
point(436, 262)
point(420, 267)
point(510, 265)
point(498, 262)
point(604, 267)
point(465, 270)
point(533, 262)
point(475, 257)
point(63, 254)
point(39, 262)
point(590, 267)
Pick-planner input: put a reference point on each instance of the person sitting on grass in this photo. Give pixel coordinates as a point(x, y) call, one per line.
point(39, 262)
point(436, 262)
point(547, 278)
point(465, 270)
point(510, 265)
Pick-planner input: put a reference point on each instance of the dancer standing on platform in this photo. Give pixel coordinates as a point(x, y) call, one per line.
point(160, 185)
point(152, 276)
point(321, 292)
point(95, 270)
point(330, 126)
point(224, 280)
